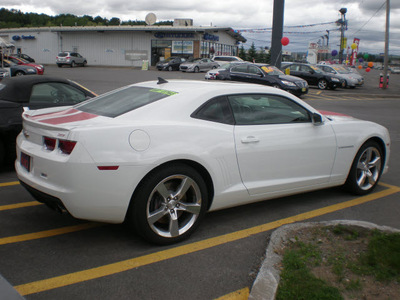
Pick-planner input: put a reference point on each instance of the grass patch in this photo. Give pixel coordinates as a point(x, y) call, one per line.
point(348, 260)
point(383, 257)
point(297, 282)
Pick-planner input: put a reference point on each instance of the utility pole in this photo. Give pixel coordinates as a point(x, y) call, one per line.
point(342, 22)
point(277, 33)
point(386, 60)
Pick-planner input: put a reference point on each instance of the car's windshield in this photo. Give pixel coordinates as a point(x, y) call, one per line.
point(123, 100)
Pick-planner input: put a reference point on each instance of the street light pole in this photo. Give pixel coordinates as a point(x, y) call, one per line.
point(386, 60)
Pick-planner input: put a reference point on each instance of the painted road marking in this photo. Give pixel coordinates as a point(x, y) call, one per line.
point(9, 183)
point(47, 233)
point(114, 268)
point(242, 294)
point(19, 205)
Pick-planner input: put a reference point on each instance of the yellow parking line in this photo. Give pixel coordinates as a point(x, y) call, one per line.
point(110, 269)
point(19, 205)
point(242, 294)
point(47, 233)
point(9, 183)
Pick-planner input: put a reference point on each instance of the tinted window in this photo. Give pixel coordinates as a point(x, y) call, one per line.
point(216, 110)
point(55, 92)
point(255, 70)
point(123, 100)
point(257, 109)
point(239, 69)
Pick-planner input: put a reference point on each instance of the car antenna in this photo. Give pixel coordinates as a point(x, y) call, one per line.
point(161, 80)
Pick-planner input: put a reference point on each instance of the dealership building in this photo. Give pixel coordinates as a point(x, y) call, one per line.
point(124, 45)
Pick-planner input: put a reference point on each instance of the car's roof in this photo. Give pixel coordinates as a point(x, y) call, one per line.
point(10, 88)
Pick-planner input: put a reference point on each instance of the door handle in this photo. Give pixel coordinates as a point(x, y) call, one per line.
point(250, 139)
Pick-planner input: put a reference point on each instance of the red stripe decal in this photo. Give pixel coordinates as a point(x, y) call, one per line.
point(68, 119)
point(50, 115)
point(330, 113)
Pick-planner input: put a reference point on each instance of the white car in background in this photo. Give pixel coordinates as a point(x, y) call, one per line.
point(161, 154)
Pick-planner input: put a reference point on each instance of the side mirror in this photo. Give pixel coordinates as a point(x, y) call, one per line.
point(317, 119)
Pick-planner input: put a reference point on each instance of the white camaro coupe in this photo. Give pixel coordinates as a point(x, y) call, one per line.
point(161, 154)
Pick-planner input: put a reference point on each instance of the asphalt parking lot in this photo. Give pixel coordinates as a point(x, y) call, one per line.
point(44, 255)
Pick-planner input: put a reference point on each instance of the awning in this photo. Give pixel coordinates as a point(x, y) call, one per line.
point(4, 43)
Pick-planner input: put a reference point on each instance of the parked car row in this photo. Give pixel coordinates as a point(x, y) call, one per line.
point(261, 74)
point(175, 63)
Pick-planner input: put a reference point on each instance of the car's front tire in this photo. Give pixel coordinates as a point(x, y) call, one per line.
point(19, 73)
point(169, 68)
point(196, 69)
point(169, 204)
point(73, 64)
point(366, 169)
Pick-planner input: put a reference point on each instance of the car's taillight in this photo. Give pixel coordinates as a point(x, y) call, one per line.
point(65, 146)
point(68, 57)
point(49, 143)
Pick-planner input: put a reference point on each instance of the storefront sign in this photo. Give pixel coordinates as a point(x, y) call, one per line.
point(210, 37)
point(136, 55)
point(175, 35)
point(24, 37)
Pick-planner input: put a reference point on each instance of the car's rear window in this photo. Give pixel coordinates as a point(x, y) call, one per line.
point(123, 100)
point(63, 54)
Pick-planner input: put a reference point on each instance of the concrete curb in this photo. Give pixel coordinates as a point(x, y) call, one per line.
point(266, 284)
point(7, 291)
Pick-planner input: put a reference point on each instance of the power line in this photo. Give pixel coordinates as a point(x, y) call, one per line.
point(383, 4)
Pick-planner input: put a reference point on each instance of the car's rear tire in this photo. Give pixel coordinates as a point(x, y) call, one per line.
point(170, 68)
point(196, 69)
point(59, 65)
point(169, 204)
point(73, 64)
point(322, 84)
point(366, 169)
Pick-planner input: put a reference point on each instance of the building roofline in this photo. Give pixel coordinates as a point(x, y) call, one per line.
point(200, 29)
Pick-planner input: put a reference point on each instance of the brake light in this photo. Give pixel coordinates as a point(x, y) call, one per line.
point(65, 146)
point(49, 143)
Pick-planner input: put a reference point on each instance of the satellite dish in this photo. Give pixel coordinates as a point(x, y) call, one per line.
point(150, 19)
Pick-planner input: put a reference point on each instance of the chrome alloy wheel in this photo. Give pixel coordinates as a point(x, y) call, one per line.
point(369, 167)
point(173, 206)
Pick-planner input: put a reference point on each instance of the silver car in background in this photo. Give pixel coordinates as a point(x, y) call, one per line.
point(71, 59)
point(198, 64)
point(350, 79)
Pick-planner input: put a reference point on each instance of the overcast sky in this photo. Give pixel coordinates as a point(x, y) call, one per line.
point(366, 18)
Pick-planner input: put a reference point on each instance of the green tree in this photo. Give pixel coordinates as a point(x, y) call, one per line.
point(252, 53)
point(242, 53)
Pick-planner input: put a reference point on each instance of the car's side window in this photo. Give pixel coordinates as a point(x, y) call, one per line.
point(55, 92)
point(240, 68)
point(256, 109)
point(294, 68)
point(254, 70)
point(215, 110)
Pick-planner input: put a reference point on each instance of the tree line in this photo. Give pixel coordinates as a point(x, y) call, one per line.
point(15, 19)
